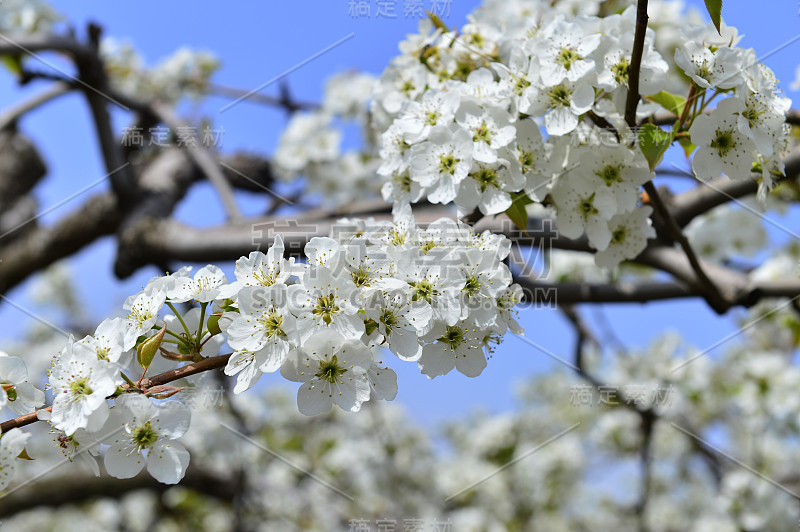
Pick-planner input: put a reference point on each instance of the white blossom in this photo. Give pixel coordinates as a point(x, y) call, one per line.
point(15, 392)
point(333, 370)
point(442, 162)
point(12, 444)
point(722, 147)
point(81, 382)
point(141, 431)
point(629, 234)
point(453, 346)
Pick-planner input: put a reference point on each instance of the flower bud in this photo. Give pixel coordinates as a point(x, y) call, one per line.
point(148, 349)
point(213, 324)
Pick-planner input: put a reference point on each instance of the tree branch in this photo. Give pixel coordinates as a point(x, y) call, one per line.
point(692, 203)
point(99, 216)
point(289, 104)
point(538, 291)
point(634, 69)
point(648, 416)
point(41, 43)
point(72, 490)
point(207, 364)
point(162, 183)
point(94, 82)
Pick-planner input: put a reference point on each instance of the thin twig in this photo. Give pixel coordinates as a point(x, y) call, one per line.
point(205, 162)
point(793, 117)
point(635, 67)
point(712, 293)
point(710, 289)
point(207, 364)
point(648, 416)
point(11, 115)
point(289, 104)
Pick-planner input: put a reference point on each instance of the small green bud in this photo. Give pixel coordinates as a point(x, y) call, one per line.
point(213, 324)
point(370, 325)
point(148, 349)
point(24, 455)
point(227, 306)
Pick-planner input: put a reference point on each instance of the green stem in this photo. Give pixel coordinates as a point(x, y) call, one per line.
point(202, 318)
point(690, 98)
point(128, 380)
point(206, 340)
point(180, 339)
point(706, 102)
point(180, 319)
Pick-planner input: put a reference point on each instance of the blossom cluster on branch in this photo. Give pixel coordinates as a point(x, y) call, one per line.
point(439, 296)
point(462, 114)
point(185, 73)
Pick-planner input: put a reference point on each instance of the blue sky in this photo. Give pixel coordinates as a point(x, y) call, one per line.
point(256, 41)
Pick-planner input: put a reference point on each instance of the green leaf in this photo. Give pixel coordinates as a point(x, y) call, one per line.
point(24, 455)
point(371, 326)
point(437, 21)
point(687, 145)
point(227, 306)
point(148, 349)
point(653, 141)
point(517, 212)
point(673, 103)
point(715, 12)
point(12, 63)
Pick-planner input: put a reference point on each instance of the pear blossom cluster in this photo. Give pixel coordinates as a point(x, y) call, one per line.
point(311, 144)
point(186, 72)
point(746, 131)
point(438, 295)
point(527, 105)
point(28, 16)
point(726, 232)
